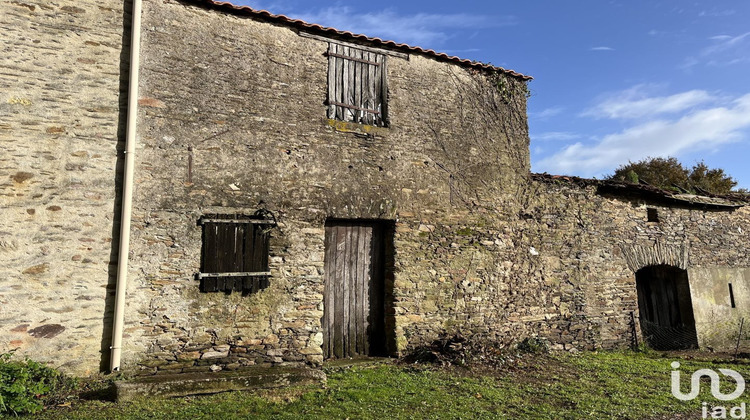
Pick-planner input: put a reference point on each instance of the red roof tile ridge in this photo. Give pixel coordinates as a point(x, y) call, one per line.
point(223, 5)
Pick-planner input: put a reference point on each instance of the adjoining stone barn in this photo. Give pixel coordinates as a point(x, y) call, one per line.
point(301, 194)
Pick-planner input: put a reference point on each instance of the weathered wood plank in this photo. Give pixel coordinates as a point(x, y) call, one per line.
point(353, 278)
point(346, 296)
point(252, 253)
point(370, 289)
point(248, 258)
point(229, 245)
point(329, 264)
point(362, 281)
point(259, 255)
point(339, 83)
point(265, 252)
point(221, 254)
point(327, 314)
point(331, 81)
point(364, 110)
point(209, 255)
point(375, 85)
point(366, 99)
point(339, 293)
point(353, 57)
point(236, 255)
point(358, 68)
point(216, 255)
point(377, 318)
point(398, 54)
point(334, 290)
point(383, 91)
point(351, 83)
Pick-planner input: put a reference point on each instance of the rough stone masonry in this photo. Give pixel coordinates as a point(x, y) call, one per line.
point(232, 119)
point(60, 123)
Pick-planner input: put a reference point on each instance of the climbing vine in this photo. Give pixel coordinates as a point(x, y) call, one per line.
point(487, 153)
point(509, 89)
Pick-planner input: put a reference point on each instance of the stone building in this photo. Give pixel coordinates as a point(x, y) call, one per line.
point(302, 193)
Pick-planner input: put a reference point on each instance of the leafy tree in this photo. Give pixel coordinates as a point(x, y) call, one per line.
point(668, 173)
point(712, 180)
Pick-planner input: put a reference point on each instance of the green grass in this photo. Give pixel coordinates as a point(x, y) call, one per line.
point(559, 386)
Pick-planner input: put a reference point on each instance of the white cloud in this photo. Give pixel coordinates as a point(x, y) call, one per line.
point(634, 103)
point(602, 49)
point(716, 13)
point(688, 63)
point(725, 42)
point(703, 129)
point(547, 112)
point(424, 29)
point(428, 30)
point(724, 50)
point(463, 51)
point(554, 135)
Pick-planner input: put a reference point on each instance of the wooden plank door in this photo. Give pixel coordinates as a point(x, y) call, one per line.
point(353, 320)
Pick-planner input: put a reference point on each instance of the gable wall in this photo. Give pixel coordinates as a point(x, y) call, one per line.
point(246, 98)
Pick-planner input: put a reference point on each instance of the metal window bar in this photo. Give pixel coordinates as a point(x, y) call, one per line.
point(239, 221)
point(235, 274)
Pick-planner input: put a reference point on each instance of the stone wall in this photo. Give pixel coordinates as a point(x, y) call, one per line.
point(478, 247)
point(60, 104)
point(592, 244)
point(717, 322)
point(233, 120)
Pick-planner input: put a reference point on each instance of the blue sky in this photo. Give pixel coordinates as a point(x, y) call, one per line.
point(613, 80)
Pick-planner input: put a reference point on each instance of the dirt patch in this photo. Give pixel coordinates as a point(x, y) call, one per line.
point(706, 356)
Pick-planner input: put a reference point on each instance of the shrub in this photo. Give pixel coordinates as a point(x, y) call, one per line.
point(475, 350)
point(533, 345)
point(27, 386)
point(459, 350)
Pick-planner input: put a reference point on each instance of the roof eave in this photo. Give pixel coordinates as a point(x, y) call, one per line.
point(349, 36)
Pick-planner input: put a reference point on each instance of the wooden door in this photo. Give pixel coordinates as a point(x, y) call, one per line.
point(353, 320)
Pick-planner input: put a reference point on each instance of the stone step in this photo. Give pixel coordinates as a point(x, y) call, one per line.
point(185, 384)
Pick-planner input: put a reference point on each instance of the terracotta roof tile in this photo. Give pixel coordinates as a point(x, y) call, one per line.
point(300, 24)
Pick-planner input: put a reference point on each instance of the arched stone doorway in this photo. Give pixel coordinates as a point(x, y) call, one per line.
point(666, 309)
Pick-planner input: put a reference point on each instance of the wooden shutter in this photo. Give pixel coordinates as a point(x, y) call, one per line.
point(357, 89)
point(232, 248)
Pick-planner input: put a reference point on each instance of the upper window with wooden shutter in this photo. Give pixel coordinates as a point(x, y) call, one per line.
point(357, 89)
point(235, 253)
